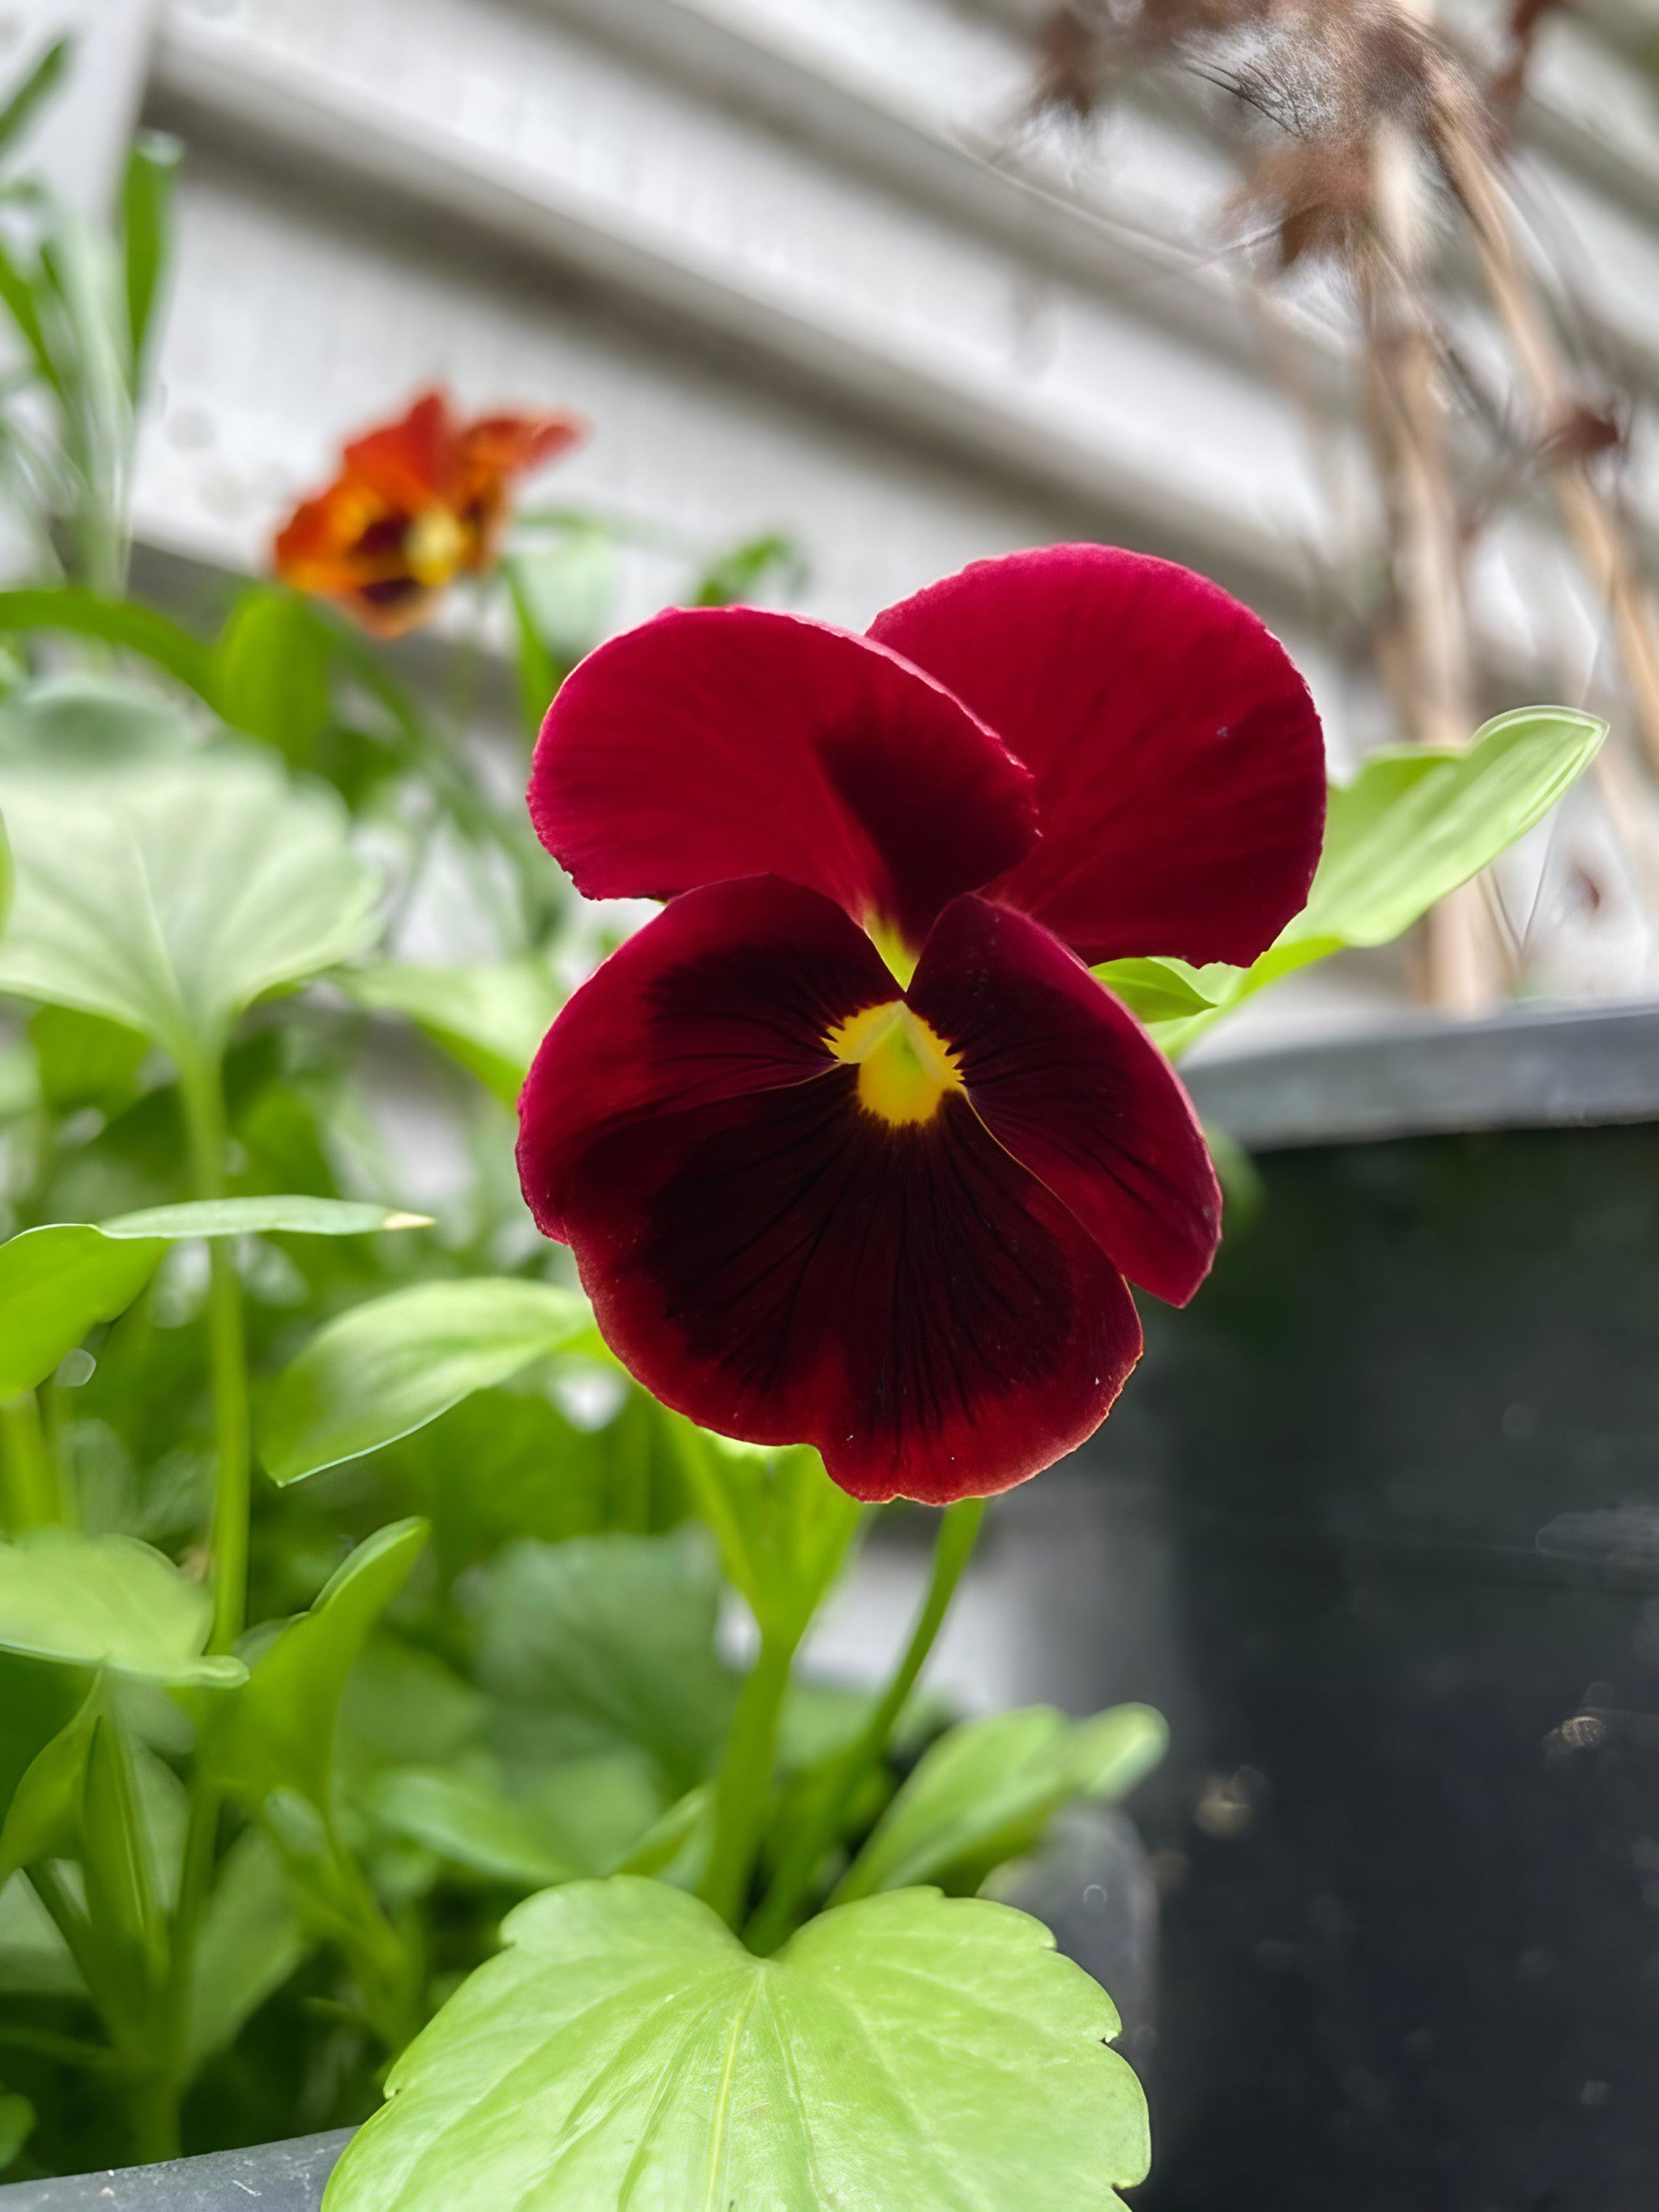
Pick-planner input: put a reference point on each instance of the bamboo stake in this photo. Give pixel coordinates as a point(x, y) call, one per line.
point(1434, 687)
point(1595, 525)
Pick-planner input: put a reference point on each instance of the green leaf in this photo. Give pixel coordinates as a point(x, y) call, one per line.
point(491, 1019)
point(249, 1941)
point(564, 596)
point(85, 1061)
point(1412, 826)
point(470, 1823)
point(25, 104)
point(179, 896)
point(389, 1366)
point(44, 1820)
point(984, 1791)
point(279, 1216)
point(125, 622)
point(909, 2052)
point(36, 1700)
point(57, 1282)
point(81, 725)
point(146, 190)
point(1156, 990)
point(783, 1528)
point(738, 576)
point(618, 1633)
point(108, 1602)
point(16, 2125)
point(279, 1734)
point(271, 670)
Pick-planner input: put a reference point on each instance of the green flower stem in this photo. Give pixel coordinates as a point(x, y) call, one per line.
point(31, 1493)
point(202, 1084)
point(743, 1787)
point(780, 1910)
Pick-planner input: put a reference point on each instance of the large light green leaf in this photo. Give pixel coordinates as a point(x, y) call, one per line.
point(911, 2052)
point(108, 1602)
point(390, 1366)
point(79, 726)
point(984, 1791)
point(280, 1732)
point(57, 1281)
point(178, 895)
point(616, 1632)
point(490, 1019)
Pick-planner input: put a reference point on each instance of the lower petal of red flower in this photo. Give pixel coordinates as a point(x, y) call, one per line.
point(732, 988)
point(1062, 1074)
point(785, 1267)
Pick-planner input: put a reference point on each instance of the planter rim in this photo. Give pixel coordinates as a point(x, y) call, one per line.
point(1556, 1068)
point(280, 2177)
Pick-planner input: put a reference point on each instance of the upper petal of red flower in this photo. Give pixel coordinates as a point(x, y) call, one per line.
point(733, 741)
point(1179, 763)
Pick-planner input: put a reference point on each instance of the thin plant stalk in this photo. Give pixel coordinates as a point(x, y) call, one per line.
point(780, 1910)
point(743, 1786)
point(202, 1084)
point(32, 1491)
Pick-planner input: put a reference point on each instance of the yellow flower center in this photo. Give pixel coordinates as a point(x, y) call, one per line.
point(435, 545)
point(904, 1069)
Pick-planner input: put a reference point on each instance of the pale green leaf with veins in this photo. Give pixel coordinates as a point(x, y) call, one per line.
point(911, 2052)
point(178, 895)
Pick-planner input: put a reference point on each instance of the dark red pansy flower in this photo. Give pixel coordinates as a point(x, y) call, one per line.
point(417, 502)
point(850, 1146)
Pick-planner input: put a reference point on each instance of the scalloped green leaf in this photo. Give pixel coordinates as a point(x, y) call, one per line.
point(171, 896)
point(389, 1366)
point(910, 2051)
point(108, 1602)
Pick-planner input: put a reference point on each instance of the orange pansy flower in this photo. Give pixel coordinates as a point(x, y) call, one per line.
point(417, 503)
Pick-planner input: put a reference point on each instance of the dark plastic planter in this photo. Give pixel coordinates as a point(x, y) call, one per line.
point(1386, 1499)
point(1377, 1526)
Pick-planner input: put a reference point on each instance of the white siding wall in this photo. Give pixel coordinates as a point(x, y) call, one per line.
point(807, 263)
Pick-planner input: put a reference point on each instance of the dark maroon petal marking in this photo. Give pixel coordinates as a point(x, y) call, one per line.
point(732, 989)
point(1067, 1079)
point(1178, 759)
point(785, 1267)
point(732, 741)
